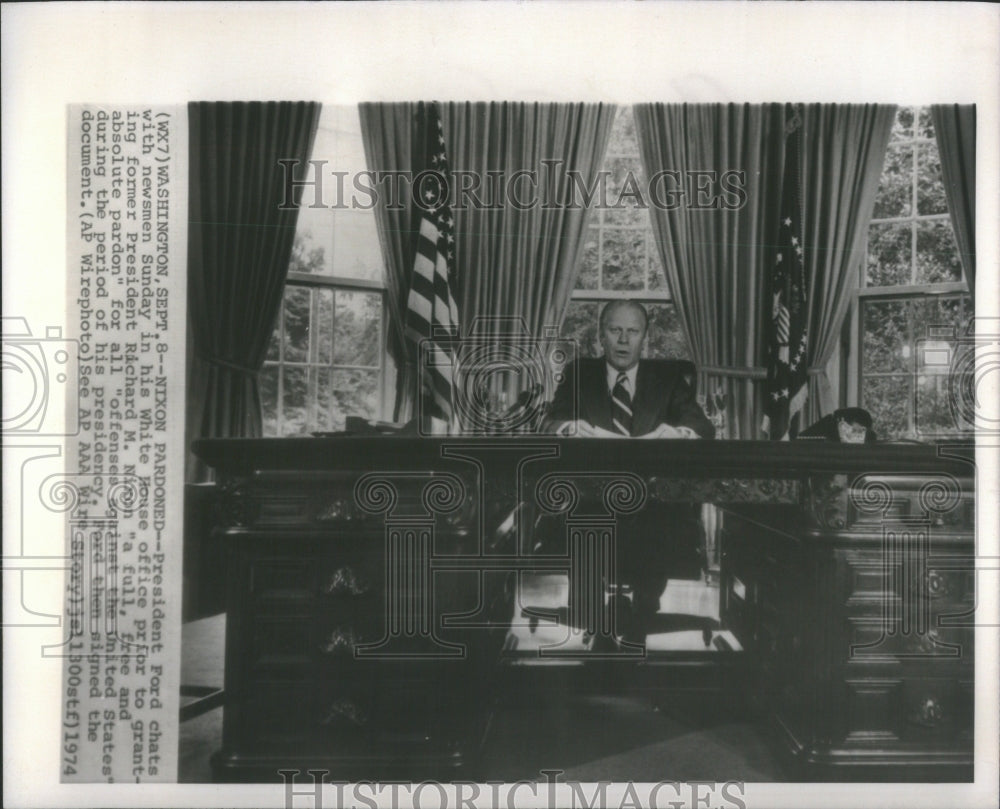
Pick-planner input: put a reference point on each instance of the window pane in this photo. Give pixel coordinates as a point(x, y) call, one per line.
point(274, 347)
point(335, 238)
point(933, 414)
point(357, 339)
point(325, 404)
point(895, 190)
point(355, 393)
point(269, 398)
point(889, 252)
point(939, 317)
point(666, 338)
point(581, 325)
point(296, 314)
point(930, 187)
point(323, 301)
point(657, 277)
point(623, 139)
point(625, 178)
point(356, 250)
point(925, 124)
point(312, 236)
point(885, 346)
point(909, 339)
point(937, 252)
point(294, 401)
point(624, 259)
point(888, 399)
point(902, 127)
point(588, 261)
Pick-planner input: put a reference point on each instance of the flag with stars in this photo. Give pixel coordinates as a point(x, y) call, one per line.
point(787, 383)
point(431, 311)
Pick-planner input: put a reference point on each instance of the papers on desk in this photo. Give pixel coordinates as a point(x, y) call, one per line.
point(600, 432)
point(663, 431)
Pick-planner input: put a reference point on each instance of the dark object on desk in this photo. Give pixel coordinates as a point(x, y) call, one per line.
point(848, 425)
point(359, 425)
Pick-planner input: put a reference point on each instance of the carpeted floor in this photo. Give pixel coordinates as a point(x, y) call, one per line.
point(589, 736)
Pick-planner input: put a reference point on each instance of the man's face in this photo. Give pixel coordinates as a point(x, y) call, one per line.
point(622, 334)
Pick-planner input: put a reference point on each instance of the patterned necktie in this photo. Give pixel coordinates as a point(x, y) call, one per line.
point(621, 406)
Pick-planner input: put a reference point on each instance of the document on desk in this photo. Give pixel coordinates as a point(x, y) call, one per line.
point(211, 230)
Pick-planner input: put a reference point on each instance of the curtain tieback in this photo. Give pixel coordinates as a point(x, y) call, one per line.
point(229, 366)
point(816, 370)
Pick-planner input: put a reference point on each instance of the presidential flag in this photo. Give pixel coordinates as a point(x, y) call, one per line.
point(432, 314)
point(787, 383)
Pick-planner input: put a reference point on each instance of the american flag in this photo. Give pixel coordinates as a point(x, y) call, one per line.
point(432, 315)
point(786, 386)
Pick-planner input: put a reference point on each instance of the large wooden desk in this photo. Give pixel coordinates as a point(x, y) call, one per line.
point(371, 584)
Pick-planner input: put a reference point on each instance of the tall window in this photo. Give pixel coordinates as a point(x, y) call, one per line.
point(325, 359)
point(620, 259)
point(912, 295)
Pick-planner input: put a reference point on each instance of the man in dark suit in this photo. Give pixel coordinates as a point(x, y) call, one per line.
point(620, 395)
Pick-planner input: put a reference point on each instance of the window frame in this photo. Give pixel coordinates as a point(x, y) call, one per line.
point(335, 283)
point(865, 293)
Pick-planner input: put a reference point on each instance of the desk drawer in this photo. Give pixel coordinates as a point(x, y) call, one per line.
point(292, 643)
point(907, 710)
point(355, 569)
point(351, 716)
point(871, 579)
point(875, 640)
point(292, 716)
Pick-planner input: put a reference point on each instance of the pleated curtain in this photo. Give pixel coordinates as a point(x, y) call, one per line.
point(955, 127)
point(516, 263)
point(715, 259)
point(239, 245)
point(843, 151)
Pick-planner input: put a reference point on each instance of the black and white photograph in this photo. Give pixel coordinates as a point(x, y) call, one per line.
point(444, 441)
point(440, 531)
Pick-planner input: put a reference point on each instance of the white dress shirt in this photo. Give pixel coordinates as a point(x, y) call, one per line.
point(612, 376)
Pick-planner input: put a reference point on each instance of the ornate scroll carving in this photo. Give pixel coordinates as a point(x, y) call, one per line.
point(826, 501)
point(723, 490)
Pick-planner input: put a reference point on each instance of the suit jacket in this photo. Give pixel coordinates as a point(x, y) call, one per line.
point(662, 395)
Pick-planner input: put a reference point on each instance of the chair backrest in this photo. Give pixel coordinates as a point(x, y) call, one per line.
point(686, 367)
